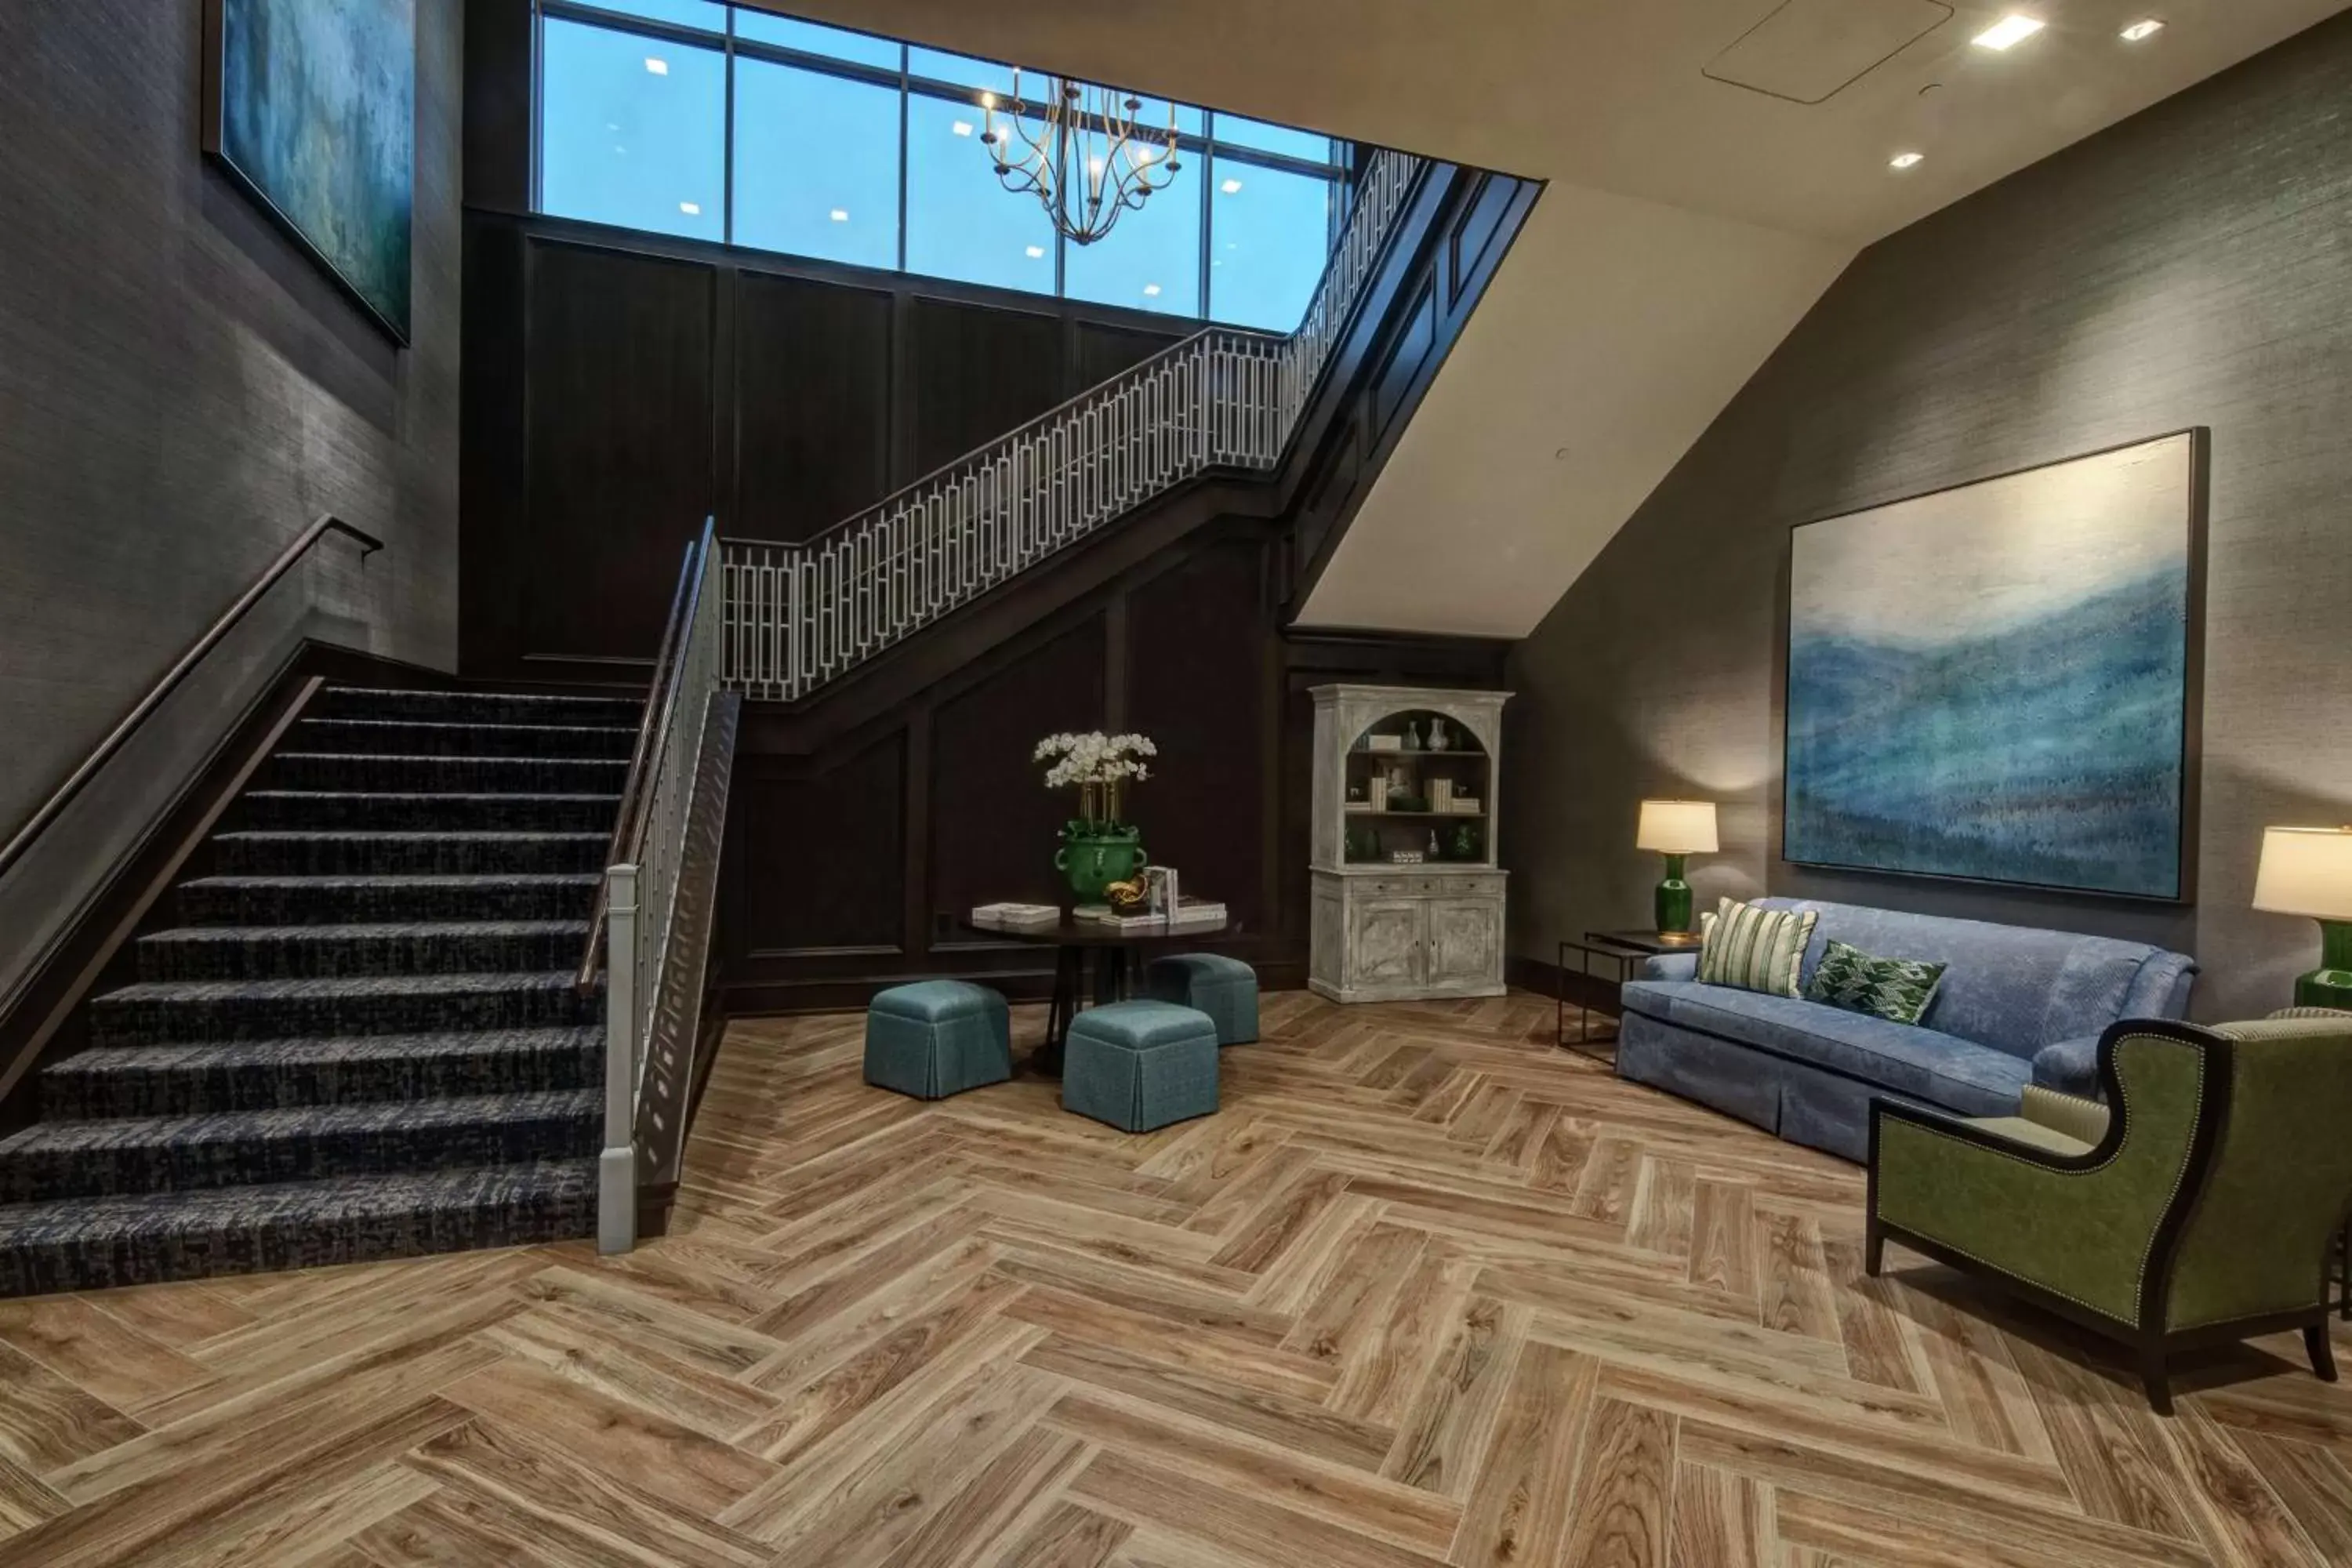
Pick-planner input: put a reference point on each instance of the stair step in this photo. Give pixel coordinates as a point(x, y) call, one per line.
point(320, 951)
point(95, 1244)
point(424, 738)
point(251, 1148)
point(363, 811)
point(321, 901)
point(477, 707)
point(547, 774)
point(191, 1012)
point(345, 853)
point(275, 1075)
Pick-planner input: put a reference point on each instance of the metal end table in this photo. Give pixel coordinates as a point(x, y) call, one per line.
point(1597, 948)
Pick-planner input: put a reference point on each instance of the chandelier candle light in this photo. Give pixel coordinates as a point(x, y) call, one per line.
point(1088, 161)
point(1097, 847)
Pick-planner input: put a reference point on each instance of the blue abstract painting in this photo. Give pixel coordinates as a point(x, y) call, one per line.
point(314, 111)
point(1992, 682)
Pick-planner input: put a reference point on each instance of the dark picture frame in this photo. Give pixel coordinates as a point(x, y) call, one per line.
point(2199, 439)
point(296, 161)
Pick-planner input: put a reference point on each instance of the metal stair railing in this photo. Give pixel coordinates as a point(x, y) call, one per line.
point(795, 616)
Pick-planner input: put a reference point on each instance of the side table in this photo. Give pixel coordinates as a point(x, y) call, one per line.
point(1597, 948)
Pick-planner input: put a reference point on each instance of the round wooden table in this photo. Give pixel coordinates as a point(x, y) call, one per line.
point(1089, 950)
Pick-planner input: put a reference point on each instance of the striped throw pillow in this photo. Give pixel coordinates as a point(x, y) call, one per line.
point(1754, 950)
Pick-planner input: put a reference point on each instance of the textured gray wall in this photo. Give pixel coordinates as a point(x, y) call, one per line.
point(2193, 266)
point(181, 392)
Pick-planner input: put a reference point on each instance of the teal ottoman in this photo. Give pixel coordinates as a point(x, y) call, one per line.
point(1140, 1064)
point(1224, 988)
point(938, 1038)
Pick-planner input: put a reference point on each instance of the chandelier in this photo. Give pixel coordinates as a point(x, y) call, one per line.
point(1082, 155)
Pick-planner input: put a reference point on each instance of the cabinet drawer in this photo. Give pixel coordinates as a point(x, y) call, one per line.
point(1405, 886)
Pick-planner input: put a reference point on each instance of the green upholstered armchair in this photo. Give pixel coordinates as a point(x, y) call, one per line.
point(2202, 1209)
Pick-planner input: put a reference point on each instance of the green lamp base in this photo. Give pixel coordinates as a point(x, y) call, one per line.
point(2330, 985)
point(1674, 901)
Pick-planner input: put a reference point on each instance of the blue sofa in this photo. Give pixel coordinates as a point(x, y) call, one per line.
point(2017, 1006)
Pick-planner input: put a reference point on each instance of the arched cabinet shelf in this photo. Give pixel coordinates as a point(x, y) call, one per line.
point(1408, 894)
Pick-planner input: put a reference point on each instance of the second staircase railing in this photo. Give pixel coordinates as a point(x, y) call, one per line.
point(795, 616)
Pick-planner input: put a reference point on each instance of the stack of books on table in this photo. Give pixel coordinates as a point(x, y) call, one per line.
point(1018, 917)
point(1191, 913)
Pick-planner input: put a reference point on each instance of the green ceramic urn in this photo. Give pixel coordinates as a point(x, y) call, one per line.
point(1094, 855)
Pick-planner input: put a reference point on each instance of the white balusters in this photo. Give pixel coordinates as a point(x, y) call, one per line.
point(797, 615)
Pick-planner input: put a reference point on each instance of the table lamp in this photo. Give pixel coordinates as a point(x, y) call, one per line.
point(1676, 828)
point(2308, 871)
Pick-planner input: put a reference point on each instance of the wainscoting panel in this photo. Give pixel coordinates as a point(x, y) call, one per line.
point(813, 409)
point(823, 852)
point(619, 364)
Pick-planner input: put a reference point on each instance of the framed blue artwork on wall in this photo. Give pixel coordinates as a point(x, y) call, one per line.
point(2000, 682)
point(310, 107)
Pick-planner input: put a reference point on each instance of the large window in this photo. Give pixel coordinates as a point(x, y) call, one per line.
point(724, 122)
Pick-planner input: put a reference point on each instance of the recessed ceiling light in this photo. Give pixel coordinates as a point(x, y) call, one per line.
point(1905, 159)
point(1035, 252)
point(840, 215)
point(1231, 188)
point(2147, 28)
point(656, 65)
point(1152, 290)
point(2009, 32)
point(691, 209)
point(963, 127)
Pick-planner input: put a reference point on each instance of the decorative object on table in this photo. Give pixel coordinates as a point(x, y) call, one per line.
point(1224, 988)
point(1140, 1066)
point(1750, 948)
point(1029, 917)
point(1676, 829)
point(311, 106)
point(2308, 871)
point(1998, 682)
point(1387, 921)
point(1412, 736)
point(2194, 1219)
point(1099, 846)
point(1439, 739)
point(1163, 881)
point(938, 1038)
point(1132, 897)
point(1081, 152)
point(2017, 1006)
point(1899, 990)
point(1384, 742)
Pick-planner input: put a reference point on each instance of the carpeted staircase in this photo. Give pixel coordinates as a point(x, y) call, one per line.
point(358, 1035)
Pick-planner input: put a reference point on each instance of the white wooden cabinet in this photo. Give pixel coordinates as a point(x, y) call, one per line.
point(1385, 931)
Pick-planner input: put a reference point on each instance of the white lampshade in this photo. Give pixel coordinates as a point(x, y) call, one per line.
point(2305, 871)
point(1677, 827)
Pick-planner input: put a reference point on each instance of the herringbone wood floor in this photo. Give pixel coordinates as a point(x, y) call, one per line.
point(1426, 1290)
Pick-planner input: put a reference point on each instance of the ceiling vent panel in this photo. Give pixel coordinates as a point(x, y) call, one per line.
point(1807, 51)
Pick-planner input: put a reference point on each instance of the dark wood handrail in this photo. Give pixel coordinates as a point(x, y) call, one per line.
point(623, 842)
point(78, 780)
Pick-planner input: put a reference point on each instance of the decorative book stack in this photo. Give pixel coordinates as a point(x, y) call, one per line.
point(1018, 917)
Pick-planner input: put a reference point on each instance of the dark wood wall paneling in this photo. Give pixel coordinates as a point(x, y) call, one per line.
point(866, 823)
point(619, 389)
point(851, 867)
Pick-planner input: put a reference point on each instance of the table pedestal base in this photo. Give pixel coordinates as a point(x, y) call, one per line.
point(1111, 976)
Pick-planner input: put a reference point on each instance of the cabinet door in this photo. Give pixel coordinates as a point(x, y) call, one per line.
point(1384, 941)
point(1465, 937)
